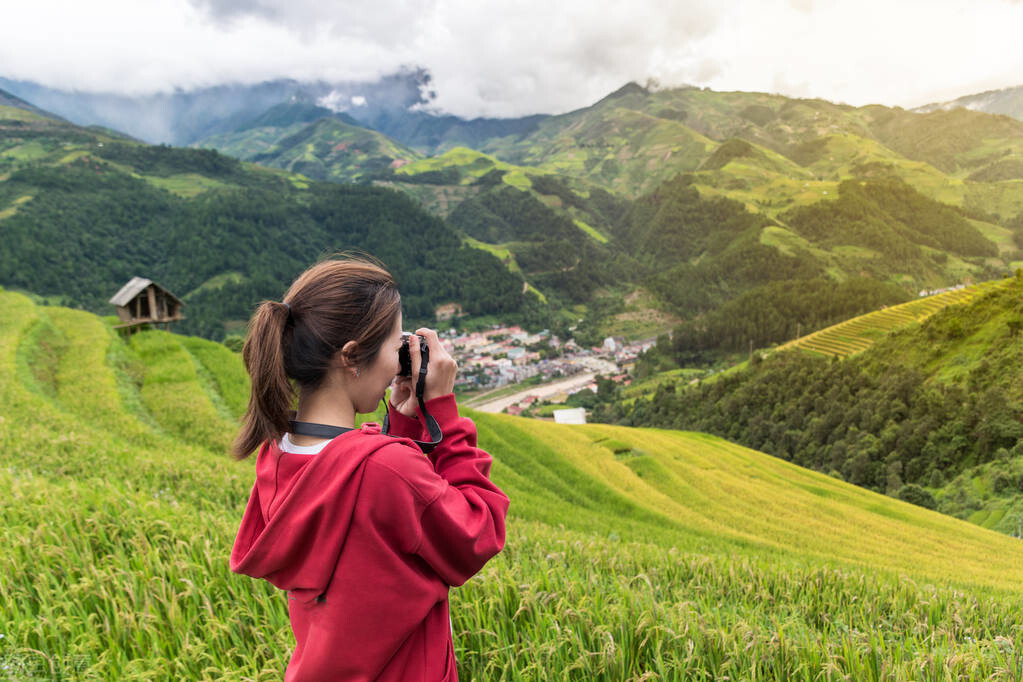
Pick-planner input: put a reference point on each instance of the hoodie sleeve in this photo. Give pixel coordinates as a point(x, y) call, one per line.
point(409, 427)
point(454, 515)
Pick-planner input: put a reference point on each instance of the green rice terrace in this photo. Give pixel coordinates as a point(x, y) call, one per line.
point(859, 333)
point(632, 554)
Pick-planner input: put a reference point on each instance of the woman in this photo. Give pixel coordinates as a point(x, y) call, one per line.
point(363, 531)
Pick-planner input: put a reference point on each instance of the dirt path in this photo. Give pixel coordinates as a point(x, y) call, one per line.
point(541, 391)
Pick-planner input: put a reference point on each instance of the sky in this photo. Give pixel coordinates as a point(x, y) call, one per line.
point(518, 57)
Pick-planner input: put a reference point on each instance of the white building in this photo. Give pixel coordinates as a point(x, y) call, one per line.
point(575, 415)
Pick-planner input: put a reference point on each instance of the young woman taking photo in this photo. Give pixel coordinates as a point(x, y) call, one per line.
point(364, 531)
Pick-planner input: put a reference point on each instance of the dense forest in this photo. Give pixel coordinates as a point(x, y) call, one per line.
point(164, 160)
point(767, 315)
point(506, 214)
point(90, 227)
point(606, 211)
point(556, 256)
point(674, 224)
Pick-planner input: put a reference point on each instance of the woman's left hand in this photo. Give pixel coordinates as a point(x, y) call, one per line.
point(403, 389)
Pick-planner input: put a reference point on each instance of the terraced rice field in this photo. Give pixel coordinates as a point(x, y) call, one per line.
point(860, 333)
point(632, 554)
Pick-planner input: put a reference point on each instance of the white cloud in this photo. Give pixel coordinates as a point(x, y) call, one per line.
point(512, 58)
point(872, 51)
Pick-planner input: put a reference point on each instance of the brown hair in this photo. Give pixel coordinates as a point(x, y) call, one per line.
point(331, 303)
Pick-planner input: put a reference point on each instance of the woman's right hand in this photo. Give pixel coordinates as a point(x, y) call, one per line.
point(441, 371)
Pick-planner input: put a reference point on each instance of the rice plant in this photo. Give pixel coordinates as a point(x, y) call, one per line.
point(632, 554)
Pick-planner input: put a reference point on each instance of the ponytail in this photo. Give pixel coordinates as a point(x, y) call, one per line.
point(272, 394)
point(330, 304)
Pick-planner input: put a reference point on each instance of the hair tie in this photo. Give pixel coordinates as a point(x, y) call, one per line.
point(286, 306)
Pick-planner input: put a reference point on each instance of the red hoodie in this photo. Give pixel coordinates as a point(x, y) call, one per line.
point(367, 536)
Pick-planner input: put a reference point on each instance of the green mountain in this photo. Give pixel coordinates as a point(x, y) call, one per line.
point(690, 200)
point(796, 151)
point(919, 201)
point(932, 413)
point(876, 240)
point(630, 552)
point(771, 153)
point(739, 277)
point(314, 142)
point(82, 213)
point(553, 230)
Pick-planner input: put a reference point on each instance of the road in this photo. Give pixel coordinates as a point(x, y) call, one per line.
point(541, 391)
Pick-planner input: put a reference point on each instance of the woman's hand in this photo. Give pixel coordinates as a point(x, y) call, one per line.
point(403, 389)
point(440, 374)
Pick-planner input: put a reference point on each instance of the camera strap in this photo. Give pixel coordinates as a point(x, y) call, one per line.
point(316, 430)
point(432, 427)
point(328, 431)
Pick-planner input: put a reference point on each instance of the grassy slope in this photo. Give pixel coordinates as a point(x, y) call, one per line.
point(125, 520)
point(962, 338)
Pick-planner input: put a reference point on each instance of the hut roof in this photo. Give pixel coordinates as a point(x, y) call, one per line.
point(132, 289)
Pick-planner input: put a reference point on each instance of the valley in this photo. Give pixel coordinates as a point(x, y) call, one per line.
point(800, 321)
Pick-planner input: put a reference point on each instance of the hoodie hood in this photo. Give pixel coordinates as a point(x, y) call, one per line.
point(300, 510)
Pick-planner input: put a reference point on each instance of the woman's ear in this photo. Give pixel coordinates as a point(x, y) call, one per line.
point(347, 354)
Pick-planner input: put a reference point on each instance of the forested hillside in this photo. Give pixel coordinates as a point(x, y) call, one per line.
point(82, 213)
point(905, 417)
point(705, 199)
point(696, 199)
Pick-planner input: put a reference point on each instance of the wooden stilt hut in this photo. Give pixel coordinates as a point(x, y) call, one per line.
point(142, 301)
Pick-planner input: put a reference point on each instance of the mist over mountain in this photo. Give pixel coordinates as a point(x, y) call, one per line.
point(1007, 101)
point(182, 117)
point(9, 100)
point(397, 105)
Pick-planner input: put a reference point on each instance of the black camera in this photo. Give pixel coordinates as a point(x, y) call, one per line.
point(405, 359)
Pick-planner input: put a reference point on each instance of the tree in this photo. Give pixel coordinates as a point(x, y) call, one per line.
point(914, 494)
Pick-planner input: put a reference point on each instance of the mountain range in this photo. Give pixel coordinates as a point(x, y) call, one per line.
point(687, 198)
point(396, 105)
point(83, 211)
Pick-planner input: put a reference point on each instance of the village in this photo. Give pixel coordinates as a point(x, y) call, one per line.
point(508, 355)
